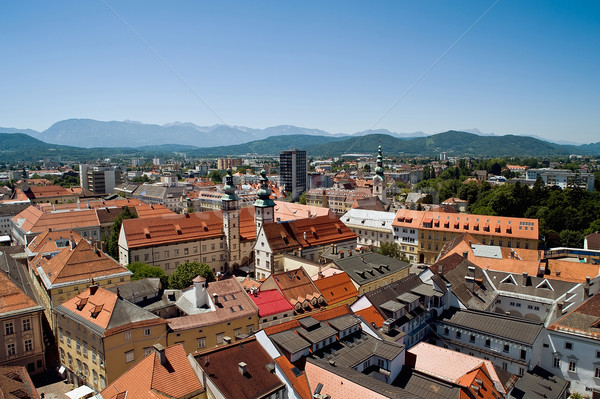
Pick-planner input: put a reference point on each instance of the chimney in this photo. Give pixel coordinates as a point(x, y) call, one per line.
point(448, 286)
point(471, 270)
point(441, 269)
point(341, 254)
point(335, 250)
point(119, 293)
point(300, 251)
point(200, 291)
point(525, 275)
point(93, 289)
point(363, 259)
point(216, 298)
point(305, 236)
point(466, 254)
point(160, 353)
point(242, 368)
point(349, 252)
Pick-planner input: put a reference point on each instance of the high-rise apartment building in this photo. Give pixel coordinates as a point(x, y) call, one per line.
point(99, 178)
point(292, 172)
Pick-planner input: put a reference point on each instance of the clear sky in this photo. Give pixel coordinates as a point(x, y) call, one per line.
point(527, 67)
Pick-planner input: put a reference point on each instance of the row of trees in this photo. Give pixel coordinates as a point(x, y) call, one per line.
point(181, 278)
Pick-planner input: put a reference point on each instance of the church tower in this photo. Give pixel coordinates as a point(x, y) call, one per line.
point(264, 206)
point(379, 186)
point(231, 221)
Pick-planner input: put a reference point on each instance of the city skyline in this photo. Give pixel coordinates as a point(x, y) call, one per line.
point(501, 67)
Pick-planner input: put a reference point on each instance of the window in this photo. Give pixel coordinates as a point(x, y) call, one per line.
point(220, 338)
point(93, 355)
point(472, 338)
point(237, 332)
point(9, 328)
point(129, 356)
point(568, 345)
point(523, 354)
point(572, 366)
point(458, 335)
point(506, 348)
point(84, 348)
point(11, 350)
point(147, 351)
point(504, 366)
point(250, 329)
point(147, 332)
point(556, 362)
point(28, 343)
point(446, 331)
point(79, 365)
point(597, 372)
point(95, 376)
point(60, 334)
point(62, 354)
point(86, 369)
point(201, 342)
point(70, 360)
point(521, 371)
point(127, 335)
point(68, 339)
point(488, 342)
point(26, 324)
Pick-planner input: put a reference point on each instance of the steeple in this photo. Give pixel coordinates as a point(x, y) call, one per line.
point(229, 188)
point(379, 185)
point(231, 221)
point(264, 205)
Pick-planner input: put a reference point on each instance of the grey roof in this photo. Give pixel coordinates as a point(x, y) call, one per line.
point(369, 219)
point(138, 290)
point(356, 348)
point(159, 192)
point(426, 290)
point(17, 274)
point(407, 297)
point(308, 322)
point(478, 294)
point(289, 341)
point(361, 379)
point(368, 267)
point(559, 287)
point(426, 387)
point(487, 251)
point(392, 306)
point(317, 334)
point(539, 383)
point(494, 324)
point(343, 322)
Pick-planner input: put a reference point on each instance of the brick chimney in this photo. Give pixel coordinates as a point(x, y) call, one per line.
point(160, 353)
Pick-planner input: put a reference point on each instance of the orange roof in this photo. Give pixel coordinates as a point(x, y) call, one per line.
point(101, 303)
point(297, 378)
point(292, 211)
point(52, 241)
point(336, 288)
point(76, 264)
point(145, 232)
point(320, 315)
point(320, 230)
point(39, 192)
point(371, 315)
point(12, 298)
point(151, 379)
point(34, 220)
point(519, 260)
point(296, 287)
point(479, 383)
point(465, 223)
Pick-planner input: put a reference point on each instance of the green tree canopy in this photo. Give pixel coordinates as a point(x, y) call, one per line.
point(184, 274)
point(112, 241)
point(141, 270)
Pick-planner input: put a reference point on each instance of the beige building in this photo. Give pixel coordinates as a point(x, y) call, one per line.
point(101, 336)
point(21, 337)
point(65, 264)
point(216, 313)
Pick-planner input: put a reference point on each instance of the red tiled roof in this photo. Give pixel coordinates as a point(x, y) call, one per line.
point(101, 303)
point(462, 223)
point(371, 315)
point(12, 298)
point(298, 378)
point(336, 288)
point(297, 287)
point(79, 263)
point(151, 231)
point(270, 302)
point(151, 379)
point(320, 230)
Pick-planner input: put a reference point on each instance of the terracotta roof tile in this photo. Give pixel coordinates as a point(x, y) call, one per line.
point(151, 379)
point(371, 315)
point(12, 298)
point(298, 289)
point(336, 288)
point(296, 377)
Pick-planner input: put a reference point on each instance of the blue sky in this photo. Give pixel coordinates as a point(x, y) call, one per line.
point(527, 67)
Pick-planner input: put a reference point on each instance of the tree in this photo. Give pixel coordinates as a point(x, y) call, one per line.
point(141, 270)
point(112, 241)
point(302, 199)
point(216, 176)
point(184, 274)
point(390, 249)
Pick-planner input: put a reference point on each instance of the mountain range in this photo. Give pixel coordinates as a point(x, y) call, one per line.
point(90, 133)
